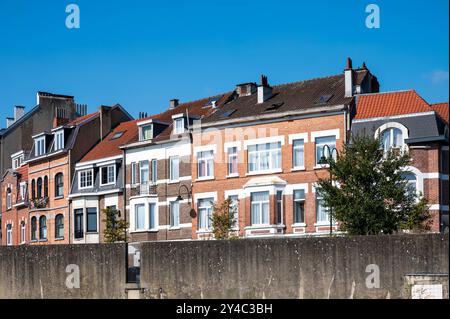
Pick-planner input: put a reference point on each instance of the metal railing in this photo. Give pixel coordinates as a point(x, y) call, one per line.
point(147, 189)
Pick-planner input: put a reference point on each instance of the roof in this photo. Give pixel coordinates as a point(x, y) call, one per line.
point(109, 147)
point(390, 104)
point(442, 110)
point(81, 119)
point(297, 96)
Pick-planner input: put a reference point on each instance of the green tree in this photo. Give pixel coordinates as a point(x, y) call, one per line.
point(115, 229)
point(222, 219)
point(368, 192)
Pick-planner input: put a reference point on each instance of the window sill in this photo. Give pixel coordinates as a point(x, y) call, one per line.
point(209, 178)
point(298, 225)
point(204, 231)
point(175, 228)
point(91, 233)
point(272, 171)
point(324, 224)
point(59, 238)
point(109, 184)
point(33, 241)
point(173, 182)
point(296, 169)
point(321, 166)
point(59, 197)
point(43, 240)
point(232, 176)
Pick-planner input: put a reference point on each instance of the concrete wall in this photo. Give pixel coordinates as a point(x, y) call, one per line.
point(289, 268)
point(40, 271)
point(250, 268)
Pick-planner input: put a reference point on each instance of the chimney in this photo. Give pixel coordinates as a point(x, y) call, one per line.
point(19, 111)
point(213, 104)
point(264, 90)
point(9, 121)
point(105, 120)
point(348, 72)
point(173, 103)
point(245, 89)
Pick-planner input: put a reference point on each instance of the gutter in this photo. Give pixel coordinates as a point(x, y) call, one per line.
point(438, 138)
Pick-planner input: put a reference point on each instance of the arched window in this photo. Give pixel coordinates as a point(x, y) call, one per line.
point(411, 182)
point(42, 227)
point(33, 189)
point(8, 198)
point(59, 226)
point(391, 138)
point(9, 241)
point(45, 186)
point(33, 228)
point(59, 185)
point(39, 187)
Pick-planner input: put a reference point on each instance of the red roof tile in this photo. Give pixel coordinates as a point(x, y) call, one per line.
point(442, 110)
point(80, 119)
point(390, 104)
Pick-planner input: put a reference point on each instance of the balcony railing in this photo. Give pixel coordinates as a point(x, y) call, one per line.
point(38, 203)
point(145, 189)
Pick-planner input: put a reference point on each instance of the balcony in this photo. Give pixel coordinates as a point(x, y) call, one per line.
point(39, 203)
point(145, 189)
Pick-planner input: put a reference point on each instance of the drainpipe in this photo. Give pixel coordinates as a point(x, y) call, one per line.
point(124, 168)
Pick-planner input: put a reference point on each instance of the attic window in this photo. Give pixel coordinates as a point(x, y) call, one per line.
point(324, 99)
point(274, 107)
point(212, 102)
point(228, 113)
point(117, 135)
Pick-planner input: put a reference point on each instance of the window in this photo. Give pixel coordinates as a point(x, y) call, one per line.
point(232, 161)
point(321, 211)
point(205, 213)
point(33, 228)
point(42, 227)
point(320, 145)
point(174, 214)
point(39, 146)
point(133, 173)
point(91, 220)
point(205, 164)
point(298, 151)
point(279, 207)
point(22, 232)
point(23, 191)
point(139, 211)
point(144, 172)
point(179, 126)
point(146, 132)
point(260, 208)
point(8, 198)
point(411, 182)
point(39, 187)
point(263, 157)
point(152, 215)
point(78, 221)
point(33, 189)
point(59, 185)
point(299, 206)
point(59, 226)
point(45, 186)
point(86, 179)
point(174, 168)
point(59, 140)
point(154, 170)
point(9, 240)
point(17, 161)
point(108, 174)
point(234, 211)
point(391, 138)
point(117, 135)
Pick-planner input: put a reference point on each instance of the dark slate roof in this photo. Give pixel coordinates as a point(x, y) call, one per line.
point(289, 97)
point(96, 187)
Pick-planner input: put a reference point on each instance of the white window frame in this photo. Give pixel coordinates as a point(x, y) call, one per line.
point(38, 143)
point(258, 153)
point(236, 213)
point(294, 148)
point(133, 173)
point(174, 223)
point(321, 145)
point(59, 140)
point(9, 199)
point(140, 172)
point(327, 210)
point(80, 173)
point(232, 154)
point(178, 129)
point(136, 219)
point(23, 190)
point(260, 203)
point(294, 201)
point(172, 176)
point(107, 167)
point(22, 232)
point(155, 216)
point(9, 237)
point(208, 213)
point(142, 129)
point(202, 157)
point(154, 170)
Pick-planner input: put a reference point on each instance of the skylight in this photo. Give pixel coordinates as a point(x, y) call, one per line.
point(324, 99)
point(228, 113)
point(117, 135)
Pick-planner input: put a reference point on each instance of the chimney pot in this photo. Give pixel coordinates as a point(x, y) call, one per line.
point(349, 64)
point(173, 103)
point(264, 90)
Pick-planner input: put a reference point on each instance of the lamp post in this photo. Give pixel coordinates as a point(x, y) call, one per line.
point(189, 195)
point(323, 162)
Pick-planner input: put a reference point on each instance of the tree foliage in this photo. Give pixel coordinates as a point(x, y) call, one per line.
point(115, 230)
point(368, 192)
point(222, 219)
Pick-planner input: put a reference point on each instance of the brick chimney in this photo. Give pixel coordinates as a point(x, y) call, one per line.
point(348, 72)
point(19, 111)
point(9, 121)
point(173, 103)
point(245, 89)
point(105, 120)
point(264, 90)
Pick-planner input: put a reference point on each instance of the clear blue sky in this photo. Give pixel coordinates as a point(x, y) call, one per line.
point(143, 53)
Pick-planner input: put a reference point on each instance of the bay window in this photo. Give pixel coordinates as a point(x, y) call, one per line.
point(86, 179)
point(91, 219)
point(108, 174)
point(139, 211)
point(299, 206)
point(259, 208)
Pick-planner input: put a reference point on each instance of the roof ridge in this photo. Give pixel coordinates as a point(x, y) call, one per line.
point(388, 92)
point(307, 80)
point(437, 103)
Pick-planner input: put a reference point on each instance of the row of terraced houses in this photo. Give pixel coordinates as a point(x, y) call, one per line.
point(258, 145)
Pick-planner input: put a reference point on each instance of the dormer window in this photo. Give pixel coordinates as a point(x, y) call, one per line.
point(178, 127)
point(146, 132)
point(59, 140)
point(39, 146)
point(391, 138)
point(17, 159)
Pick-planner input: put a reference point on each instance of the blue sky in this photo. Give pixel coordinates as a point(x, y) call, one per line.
point(142, 53)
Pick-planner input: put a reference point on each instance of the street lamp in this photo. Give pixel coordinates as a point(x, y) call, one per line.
point(324, 160)
point(189, 195)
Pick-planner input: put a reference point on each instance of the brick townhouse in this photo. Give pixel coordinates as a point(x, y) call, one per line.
point(403, 120)
point(51, 165)
point(98, 184)
point(158, 171)
point(17, 136)
point(262, 150)
point(15, 206)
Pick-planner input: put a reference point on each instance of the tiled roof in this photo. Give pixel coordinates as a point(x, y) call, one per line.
point(81, 119)
point(442, 110)
point(319, 92)
point(390, 104)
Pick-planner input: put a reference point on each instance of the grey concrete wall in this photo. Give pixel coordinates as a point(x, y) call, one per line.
point(40, 271)
point(289, 268)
